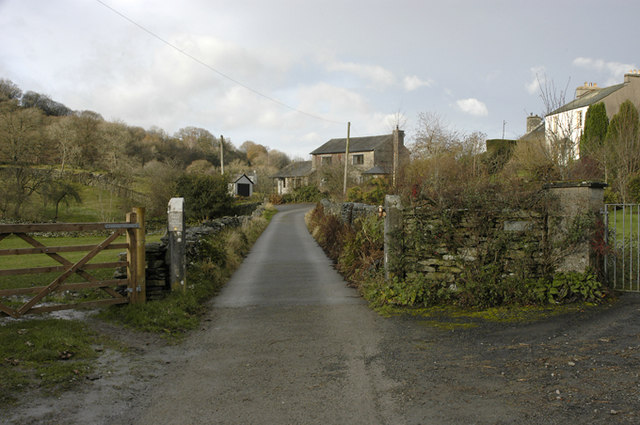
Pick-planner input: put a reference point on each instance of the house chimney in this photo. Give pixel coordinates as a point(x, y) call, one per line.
point(586, 88)
point(532, 122)
point(634, 73)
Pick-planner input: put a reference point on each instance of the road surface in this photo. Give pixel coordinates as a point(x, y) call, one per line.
point(289, 343)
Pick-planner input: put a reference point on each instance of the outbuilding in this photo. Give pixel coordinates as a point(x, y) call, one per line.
point(243, 186)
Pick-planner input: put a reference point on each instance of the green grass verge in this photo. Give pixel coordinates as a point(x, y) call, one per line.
point(47, 354)
point(451, 318)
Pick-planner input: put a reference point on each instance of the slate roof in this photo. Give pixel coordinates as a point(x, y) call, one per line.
point(295, 169)
point(535, 134)
point(376, 170)
point(356, 144)
point(588, 99)
point(239, 177)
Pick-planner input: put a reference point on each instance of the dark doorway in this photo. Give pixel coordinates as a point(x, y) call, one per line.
point(244, 189)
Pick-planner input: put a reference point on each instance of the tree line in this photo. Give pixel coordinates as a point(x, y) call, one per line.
point(42, 142)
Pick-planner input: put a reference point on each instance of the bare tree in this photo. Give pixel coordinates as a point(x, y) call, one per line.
point(9, 90)
point(552, 97)
point(560, 128)
point(433, 136)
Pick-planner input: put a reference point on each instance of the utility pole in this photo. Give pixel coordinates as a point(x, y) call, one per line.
point(221, 154)
point(504, 124)
point(396, 155)
point(346, 159)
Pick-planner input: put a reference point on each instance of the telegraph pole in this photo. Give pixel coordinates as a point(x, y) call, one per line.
point(346, 159)
point(221, 154)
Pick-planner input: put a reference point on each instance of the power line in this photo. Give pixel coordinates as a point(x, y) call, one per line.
point(206, 65)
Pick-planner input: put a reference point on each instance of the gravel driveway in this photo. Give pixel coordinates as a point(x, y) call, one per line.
point(287, 342)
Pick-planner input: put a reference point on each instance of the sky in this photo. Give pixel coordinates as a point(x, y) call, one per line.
point(290, 74)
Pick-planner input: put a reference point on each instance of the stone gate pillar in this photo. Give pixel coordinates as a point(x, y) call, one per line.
point(392, 236)
point(575, 201)
point(177, 244)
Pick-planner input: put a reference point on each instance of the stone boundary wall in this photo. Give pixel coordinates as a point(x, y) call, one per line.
point(521, 241)
point(441, 248)
point(348, 211)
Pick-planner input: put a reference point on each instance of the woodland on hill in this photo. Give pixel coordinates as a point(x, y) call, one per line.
point(50, 153)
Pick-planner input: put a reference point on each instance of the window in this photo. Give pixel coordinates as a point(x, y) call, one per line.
point(358, 159)
point(579, 116)
point(326, 160)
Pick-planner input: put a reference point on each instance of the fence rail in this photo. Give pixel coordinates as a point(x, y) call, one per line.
point(133, 228)
point(622, 260)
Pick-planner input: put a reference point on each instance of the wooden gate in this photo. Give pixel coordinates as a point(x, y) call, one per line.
point(135, 265)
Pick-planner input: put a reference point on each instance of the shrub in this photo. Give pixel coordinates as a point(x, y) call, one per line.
point(206, 196)
point(634, 189)
point(570, 287)
point(363, 247)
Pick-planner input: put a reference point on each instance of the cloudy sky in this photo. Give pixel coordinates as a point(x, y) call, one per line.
point(289, 74)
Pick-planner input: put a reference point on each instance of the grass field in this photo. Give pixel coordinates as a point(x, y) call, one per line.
point(624, 222)
point(42, 260)
point(97, 205)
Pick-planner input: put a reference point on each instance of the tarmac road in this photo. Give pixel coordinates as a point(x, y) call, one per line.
point(288, 343)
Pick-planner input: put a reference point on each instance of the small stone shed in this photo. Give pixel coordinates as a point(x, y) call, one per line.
point(242, 186)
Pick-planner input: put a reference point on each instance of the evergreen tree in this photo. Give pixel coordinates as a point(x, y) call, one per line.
point(623, 147)
point(596, 124)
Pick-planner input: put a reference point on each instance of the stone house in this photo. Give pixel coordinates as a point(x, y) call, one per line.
point(373, 156)
point(369, 157)
point(567, 122)
point(293, 176)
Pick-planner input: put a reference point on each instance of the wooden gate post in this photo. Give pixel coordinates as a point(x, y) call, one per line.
point(136, 257)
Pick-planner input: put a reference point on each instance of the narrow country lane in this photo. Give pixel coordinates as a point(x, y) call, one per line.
point(288, 343)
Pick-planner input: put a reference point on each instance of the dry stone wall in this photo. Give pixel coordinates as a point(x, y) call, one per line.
point(442, 246)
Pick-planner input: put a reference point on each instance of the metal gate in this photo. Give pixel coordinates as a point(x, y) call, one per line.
point(622, 238)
